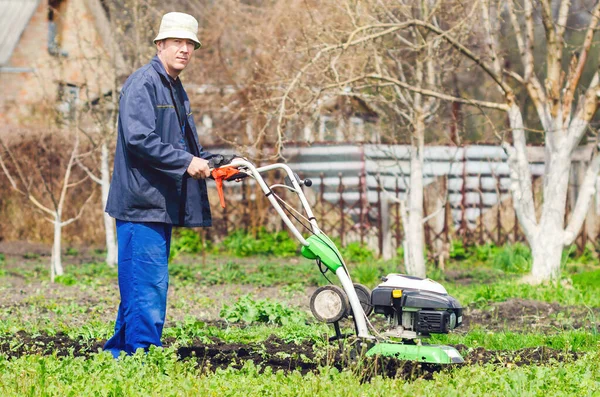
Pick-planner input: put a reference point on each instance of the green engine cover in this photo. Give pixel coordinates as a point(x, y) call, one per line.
point(436, 354)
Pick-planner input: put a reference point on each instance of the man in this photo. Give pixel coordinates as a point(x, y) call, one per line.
point(158, 182)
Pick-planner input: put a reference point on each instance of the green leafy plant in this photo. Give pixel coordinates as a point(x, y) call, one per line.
point(251, 311)
point(71, 251)
point(457, 250)
point(485, 252)
point(183, 272)
point(356, 252)
point(513, 258)
point(187, 241)
point(66, 279)
point(243, 244)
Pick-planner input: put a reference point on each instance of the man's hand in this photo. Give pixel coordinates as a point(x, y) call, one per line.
point(198, 168)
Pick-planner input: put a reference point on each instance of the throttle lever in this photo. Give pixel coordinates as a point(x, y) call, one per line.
point(227, 173)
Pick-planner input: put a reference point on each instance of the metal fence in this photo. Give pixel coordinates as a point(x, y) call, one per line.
point(357, 188)
point(378, 222)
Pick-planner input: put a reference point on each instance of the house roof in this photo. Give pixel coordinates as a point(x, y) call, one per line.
point(14, 17)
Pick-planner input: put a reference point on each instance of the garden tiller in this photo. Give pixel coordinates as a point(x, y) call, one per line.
point(414, 308)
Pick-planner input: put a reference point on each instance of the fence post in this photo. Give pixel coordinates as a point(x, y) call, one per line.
point(426, 227)
point(225, 221)
point(498, 212)
point(397, 205)
point(480, 211)
point(463, 199)
point(322, 201)
point(380, 218)
point(341, 205)
point(245, 215)
point(362, 208)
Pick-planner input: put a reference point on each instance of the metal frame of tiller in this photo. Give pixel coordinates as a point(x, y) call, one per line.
point(322, 249)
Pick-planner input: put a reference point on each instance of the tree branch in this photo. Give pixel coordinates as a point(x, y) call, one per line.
point(555, 44)
point(575, 74)
point(89, 172)
point(587, 190)
point(391, 28)
point(14, 185)
point(532, 83)
point(435, 94)
point(67, 222)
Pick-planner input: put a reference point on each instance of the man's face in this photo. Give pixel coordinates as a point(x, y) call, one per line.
point(175, 54)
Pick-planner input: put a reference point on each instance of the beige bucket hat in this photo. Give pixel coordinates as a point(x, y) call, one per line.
point(179, 26)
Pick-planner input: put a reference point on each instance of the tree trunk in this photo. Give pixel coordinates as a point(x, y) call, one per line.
point(548, 243)
point(415, 245)
point(56, 268)
point(109, 224)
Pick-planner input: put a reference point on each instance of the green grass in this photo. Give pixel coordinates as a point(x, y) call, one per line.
point(560, 292)
point(159, 373)
point(574, 340)
point(53, 309)
point(587, 280)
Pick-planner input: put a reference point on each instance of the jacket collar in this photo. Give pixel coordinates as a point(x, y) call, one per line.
point(160, 69)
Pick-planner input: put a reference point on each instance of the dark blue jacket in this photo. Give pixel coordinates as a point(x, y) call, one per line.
point(150, 182)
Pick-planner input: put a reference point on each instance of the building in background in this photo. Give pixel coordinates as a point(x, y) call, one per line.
point(54, 54)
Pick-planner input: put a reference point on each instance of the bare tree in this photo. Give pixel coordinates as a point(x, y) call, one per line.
point(564, 116)
point(104, 71)
point(51, 201)
point(377, 38)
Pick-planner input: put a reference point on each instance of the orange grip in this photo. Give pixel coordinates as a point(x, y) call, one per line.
point(219, 174)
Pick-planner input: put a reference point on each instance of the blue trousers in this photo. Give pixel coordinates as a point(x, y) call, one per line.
point(143, 283)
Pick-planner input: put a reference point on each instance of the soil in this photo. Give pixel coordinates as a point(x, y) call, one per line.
point(522, 315)
point(281, 355)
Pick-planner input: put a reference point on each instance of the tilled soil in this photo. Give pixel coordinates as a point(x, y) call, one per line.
point(281, 355)
point(522, 315)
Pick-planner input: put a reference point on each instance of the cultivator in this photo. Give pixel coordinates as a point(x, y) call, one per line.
point(414, 308)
